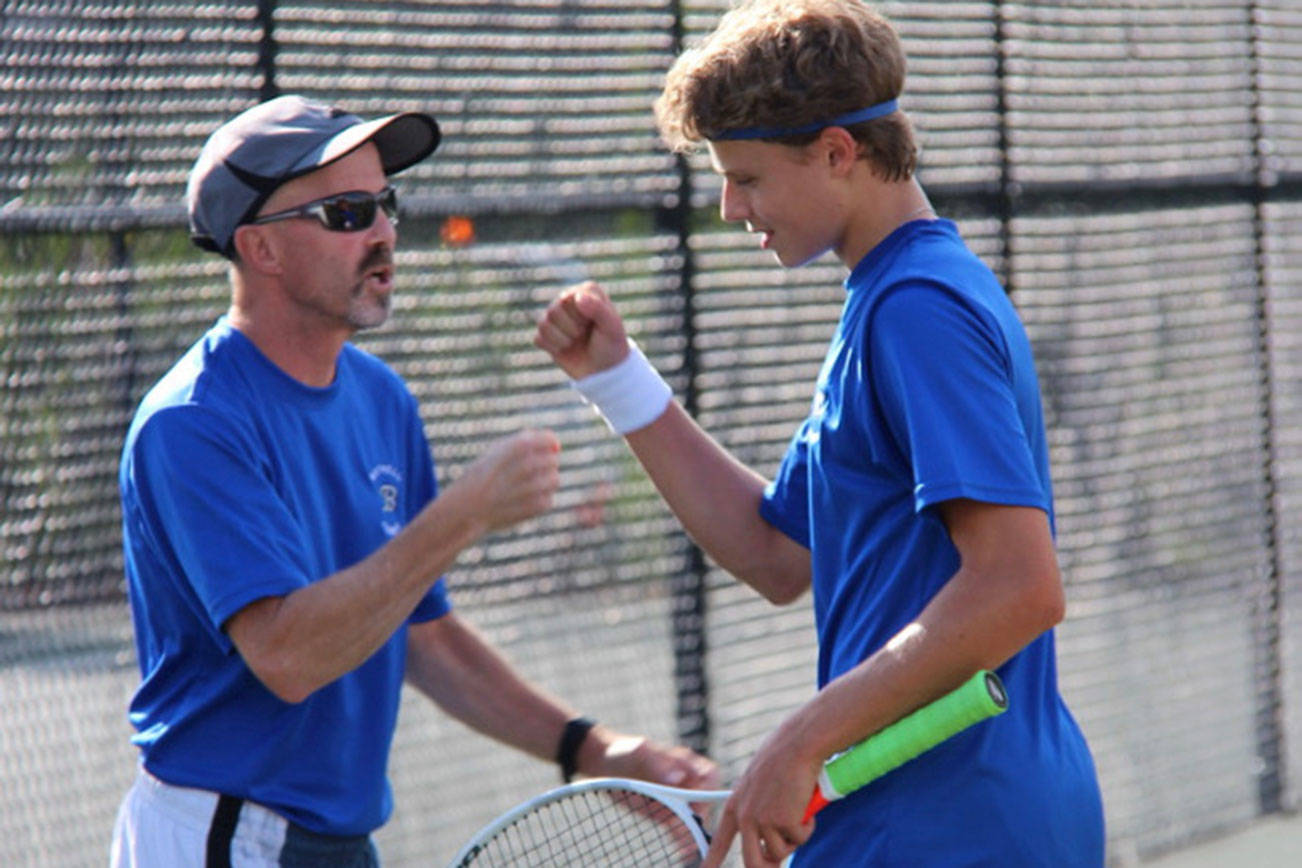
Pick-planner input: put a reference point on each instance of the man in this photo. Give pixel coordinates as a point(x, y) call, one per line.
point(914, 500)
point(284, 542)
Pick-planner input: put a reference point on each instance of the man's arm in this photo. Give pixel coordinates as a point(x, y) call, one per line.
point(1006, 592)
point(458, 668)
point(300, 642)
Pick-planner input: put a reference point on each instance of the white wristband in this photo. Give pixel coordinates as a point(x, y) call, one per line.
point(629, 396)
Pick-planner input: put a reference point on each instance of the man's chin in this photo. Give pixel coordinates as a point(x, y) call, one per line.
point(370, 309)
point(374, 316)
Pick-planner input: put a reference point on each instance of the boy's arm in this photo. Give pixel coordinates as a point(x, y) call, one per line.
point(1006, 592)
point(717, 500)
point(714, 496)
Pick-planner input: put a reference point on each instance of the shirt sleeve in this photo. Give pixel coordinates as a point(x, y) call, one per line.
point(942, 373)
point(209, 509)
point(785, 503)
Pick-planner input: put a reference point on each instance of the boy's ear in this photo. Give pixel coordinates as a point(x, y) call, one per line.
point(841, 150)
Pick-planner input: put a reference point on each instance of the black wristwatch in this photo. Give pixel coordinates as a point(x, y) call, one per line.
point(567, 753)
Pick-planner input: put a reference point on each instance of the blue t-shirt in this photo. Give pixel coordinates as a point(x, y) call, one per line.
point(928, 393)
point(239, 483)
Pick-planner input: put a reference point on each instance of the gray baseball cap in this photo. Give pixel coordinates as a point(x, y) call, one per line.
point(254, 153)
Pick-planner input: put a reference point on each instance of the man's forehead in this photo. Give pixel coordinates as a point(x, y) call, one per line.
point(359, 169)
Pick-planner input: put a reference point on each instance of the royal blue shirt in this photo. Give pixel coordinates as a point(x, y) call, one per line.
point(928, 393)
point(239, 483)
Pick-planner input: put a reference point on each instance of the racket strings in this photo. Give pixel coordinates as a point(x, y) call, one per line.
point(608, 827)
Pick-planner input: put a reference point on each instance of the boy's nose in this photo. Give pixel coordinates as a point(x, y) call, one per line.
point(731, 206)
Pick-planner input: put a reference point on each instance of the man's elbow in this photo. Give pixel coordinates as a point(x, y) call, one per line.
point(269, 652)
point(282, 678)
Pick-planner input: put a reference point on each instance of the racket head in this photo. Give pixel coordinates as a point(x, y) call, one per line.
point(600, 821)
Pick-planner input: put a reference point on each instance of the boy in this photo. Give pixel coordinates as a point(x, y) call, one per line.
point(914, 500)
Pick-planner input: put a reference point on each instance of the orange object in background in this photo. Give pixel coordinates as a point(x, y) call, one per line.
point(457, 231)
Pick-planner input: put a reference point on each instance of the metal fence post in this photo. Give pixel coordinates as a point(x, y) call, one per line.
point(1267, 598)
point(689, 589)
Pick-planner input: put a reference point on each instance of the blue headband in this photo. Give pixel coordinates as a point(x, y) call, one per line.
point(854, 117)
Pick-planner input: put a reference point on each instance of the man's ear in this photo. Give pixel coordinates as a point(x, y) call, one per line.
point(256, 248)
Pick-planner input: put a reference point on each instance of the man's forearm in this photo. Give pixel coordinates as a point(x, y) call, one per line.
point(300, 642)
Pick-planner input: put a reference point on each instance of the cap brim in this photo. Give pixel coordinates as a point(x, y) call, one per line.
point(402, 139)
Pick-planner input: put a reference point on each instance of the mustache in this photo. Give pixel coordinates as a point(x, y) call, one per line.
point(379, 257)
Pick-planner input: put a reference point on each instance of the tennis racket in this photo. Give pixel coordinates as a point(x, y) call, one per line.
point(614, 822)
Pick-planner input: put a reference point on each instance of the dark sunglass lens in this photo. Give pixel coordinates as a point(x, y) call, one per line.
point(349, 213)
point(389, 202)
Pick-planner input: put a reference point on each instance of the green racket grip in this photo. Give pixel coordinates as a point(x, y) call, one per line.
point(982, 696)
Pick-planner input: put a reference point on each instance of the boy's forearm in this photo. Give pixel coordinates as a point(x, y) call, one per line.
point(1006, 593)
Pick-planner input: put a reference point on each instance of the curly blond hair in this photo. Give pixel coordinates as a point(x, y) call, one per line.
point(790, 63)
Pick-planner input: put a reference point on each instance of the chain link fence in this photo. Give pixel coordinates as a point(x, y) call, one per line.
point(1132, 169)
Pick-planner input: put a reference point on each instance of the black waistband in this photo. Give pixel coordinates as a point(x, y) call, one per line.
point(224, 819)
point(302, 847)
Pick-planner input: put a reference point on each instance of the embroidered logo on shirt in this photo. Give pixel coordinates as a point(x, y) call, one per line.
point(388, 485)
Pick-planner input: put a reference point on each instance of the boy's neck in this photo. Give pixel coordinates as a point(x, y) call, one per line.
point(881, 208)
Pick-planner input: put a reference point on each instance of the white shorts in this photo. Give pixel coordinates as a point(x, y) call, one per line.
point(162, 826)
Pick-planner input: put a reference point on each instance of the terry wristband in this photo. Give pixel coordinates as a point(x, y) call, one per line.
point(629, 396)
point(567, 753)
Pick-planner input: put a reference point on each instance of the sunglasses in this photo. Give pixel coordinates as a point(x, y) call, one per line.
point(342, 212)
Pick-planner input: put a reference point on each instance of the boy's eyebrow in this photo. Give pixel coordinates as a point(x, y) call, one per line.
point(728, 173)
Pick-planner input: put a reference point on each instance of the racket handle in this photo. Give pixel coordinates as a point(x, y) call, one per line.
point(981, 697)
